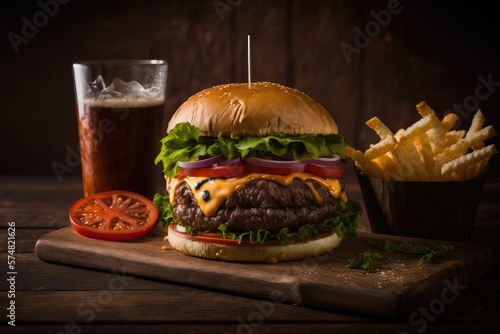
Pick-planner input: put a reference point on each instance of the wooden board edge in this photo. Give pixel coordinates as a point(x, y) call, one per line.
point(397, 305)
point(69, 254)
point(293, 291)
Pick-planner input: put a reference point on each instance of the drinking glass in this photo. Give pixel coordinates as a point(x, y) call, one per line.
point(121, 112)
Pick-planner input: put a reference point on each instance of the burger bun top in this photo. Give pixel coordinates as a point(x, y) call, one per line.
point(263, 108)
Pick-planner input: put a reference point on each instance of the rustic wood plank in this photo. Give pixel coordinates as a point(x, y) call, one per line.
point(318, 66)
point(34, 204)
point(478, 302)
point(25, 239)
point(264, 328)
point(196, 43)
point(35, 275)
point(268, 40)
point(322, 282)
point(143, 306)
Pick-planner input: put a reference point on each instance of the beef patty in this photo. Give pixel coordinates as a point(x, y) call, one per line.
point(261, 204)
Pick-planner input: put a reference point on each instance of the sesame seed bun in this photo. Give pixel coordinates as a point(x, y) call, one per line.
point(263, 108)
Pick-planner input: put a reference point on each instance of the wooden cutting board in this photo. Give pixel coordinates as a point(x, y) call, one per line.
point(396, 288)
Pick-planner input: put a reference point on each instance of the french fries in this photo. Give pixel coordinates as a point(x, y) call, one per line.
point(428, 150)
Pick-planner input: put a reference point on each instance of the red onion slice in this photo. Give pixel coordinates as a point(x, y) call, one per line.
point(181, 229)
point(202, 163)
point(324, 161)
point(274, 163)
point(229, 162)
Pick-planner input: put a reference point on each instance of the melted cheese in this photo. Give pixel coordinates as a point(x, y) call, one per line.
point(219, 190)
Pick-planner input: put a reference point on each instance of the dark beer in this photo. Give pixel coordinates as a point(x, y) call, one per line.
point(119, 140)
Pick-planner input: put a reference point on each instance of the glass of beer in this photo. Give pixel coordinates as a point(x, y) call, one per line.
point(120, 113)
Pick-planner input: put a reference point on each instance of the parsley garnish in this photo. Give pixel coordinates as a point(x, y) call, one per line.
point(430, 252)
point(365, 260)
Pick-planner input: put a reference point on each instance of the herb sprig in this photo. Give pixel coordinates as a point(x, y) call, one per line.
point(431, 251)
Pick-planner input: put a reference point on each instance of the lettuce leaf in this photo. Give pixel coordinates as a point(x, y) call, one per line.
point(165, 214)
point(300, 147)
point(185, 143)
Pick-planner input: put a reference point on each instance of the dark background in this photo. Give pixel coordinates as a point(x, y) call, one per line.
point(432, 51)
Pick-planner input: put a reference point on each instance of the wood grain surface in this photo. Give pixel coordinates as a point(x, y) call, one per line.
point(394, 289)
point(58, 298)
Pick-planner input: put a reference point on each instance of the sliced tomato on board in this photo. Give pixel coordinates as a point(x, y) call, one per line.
point(335, 171)
point(115, 215)
point(215, 238)
point(230, 170)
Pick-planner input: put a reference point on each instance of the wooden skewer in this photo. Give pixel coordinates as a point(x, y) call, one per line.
point(249, 67)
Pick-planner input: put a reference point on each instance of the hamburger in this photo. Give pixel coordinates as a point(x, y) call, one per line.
point(254, 174)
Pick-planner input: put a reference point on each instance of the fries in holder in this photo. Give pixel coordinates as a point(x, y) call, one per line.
point(426, 180)
point(428, 150)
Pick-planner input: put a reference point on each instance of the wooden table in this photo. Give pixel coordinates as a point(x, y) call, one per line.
point(53, 298)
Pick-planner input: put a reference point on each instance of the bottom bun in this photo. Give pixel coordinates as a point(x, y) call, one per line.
point(229, 250)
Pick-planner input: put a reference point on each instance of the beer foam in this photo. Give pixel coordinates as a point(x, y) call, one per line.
point(122, 94)
point(124, 102)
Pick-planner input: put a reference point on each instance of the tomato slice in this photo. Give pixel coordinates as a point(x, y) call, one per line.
point(335, 171)
point(210, 237)
point(215, 238)
point(113, 215)
point(230, 170)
